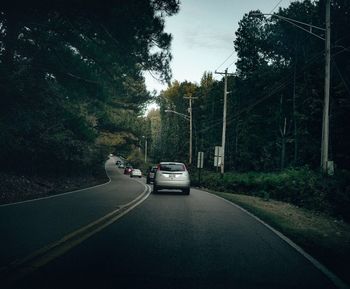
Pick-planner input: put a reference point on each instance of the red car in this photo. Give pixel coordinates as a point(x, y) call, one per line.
point(127, 170)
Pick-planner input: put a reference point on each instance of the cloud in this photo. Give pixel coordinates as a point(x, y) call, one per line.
point(208, 39)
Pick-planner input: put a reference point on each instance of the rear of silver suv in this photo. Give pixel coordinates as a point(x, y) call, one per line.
point(171, 175)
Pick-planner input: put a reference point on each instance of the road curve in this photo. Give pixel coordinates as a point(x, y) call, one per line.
point(28, 226)
point(176, 241)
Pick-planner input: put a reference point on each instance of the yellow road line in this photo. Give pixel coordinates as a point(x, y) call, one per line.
point(21, 268)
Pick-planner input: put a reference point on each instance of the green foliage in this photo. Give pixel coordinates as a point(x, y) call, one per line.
point(71, 79)
point(302, 187)
point(275, 104)
point(174, 132)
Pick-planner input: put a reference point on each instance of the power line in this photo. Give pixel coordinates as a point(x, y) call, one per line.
point(282, 84)
point(231, 64)
point(225, 60)
point(276, 88)
point(273, 9)
point(341, 76)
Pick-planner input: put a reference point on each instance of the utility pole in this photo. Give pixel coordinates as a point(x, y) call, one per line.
point(325, 164)
point(325, 122)
point(145, 150)
point(144, 137)
point(223, 139)
point(190, 113)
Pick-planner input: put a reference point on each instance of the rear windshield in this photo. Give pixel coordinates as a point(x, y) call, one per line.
point(172, 167)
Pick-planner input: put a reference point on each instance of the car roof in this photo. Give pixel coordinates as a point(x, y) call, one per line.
point(171, 163)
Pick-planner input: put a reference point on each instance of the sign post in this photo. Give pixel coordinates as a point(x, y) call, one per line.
point(200, 161)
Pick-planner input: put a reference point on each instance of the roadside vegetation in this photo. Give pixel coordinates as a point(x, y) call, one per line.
point(300, 187)
point(73, 91)
point(307, 207)
point(273, 128)
point(72, 86)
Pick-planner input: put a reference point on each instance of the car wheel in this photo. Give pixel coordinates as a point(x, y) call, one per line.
point(155, 189)
point(186, 191)
point(130, 176)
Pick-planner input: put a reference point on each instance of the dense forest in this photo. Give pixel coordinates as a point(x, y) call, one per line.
point(274, 117)
point(72, 80)
point(73, 88)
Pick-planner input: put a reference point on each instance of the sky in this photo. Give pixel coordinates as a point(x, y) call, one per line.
point(203, 34)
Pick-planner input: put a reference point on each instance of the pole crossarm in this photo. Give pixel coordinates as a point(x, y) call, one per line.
point(223, 73)
point(295, 23)
point(178, 113)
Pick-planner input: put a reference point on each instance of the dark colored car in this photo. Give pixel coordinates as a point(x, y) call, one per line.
point(127, 170)
point(151, 174)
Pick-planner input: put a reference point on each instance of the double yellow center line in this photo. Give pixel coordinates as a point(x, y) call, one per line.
point(19, 269)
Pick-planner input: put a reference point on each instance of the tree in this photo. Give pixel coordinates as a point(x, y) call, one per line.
point(67, 67)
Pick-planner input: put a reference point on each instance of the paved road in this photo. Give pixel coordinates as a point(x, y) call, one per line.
point(169, 241)
point(28, 226)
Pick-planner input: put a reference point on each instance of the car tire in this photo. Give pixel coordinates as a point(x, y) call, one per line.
point(130, 176)
point(155, 189)
point(186, 191)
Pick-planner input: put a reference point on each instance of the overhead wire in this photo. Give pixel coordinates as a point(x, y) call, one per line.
point(278, 3)
point(273, 9)
point(341, 76)
point(225, 60)
point(285, 82)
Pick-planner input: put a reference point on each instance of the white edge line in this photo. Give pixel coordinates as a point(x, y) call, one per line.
point(59, 194)
point(44, 259)
point(131, 205)
point(335, 279)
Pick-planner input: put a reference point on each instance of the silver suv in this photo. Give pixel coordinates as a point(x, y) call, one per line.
point(171, 175)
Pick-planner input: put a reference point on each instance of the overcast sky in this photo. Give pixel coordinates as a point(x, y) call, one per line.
point(203, 34)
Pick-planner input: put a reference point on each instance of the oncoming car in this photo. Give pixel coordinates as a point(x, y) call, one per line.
point(135, 173)
point(172, 175)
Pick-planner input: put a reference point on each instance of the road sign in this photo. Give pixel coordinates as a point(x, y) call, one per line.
point(217, 156)
point(200, 160)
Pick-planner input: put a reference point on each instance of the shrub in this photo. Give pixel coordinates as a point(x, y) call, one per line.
point(302, 187)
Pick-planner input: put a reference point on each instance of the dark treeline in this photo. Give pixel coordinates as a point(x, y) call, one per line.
point(71, 82)
point(276, 101)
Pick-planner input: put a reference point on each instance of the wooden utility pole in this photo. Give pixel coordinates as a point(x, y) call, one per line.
point(190, 113)
point(325, 122)
point(223, 139)
point(325, 164)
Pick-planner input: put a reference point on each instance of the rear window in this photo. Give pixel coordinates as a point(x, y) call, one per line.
point(172, 167)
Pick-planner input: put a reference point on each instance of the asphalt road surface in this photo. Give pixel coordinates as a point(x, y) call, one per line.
point(168, 241)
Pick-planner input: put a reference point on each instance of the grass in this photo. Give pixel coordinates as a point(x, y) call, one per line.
point(323, 237)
